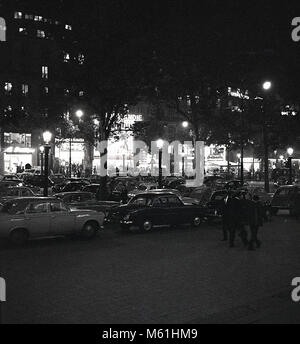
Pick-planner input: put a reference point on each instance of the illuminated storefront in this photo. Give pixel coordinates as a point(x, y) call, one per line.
point(16, 152)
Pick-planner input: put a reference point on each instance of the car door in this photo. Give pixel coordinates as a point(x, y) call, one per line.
point(62, 221)
point(178, 213)
point(37, 218)
point(168, 215)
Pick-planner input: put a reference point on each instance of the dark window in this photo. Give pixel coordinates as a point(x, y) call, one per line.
point(37, 208)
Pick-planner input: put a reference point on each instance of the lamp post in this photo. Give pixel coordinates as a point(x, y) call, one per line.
point(160, 144)
point(79, 114)
point(42, 150)
point(267, 85)
point(290, 152)
point(239, 160)
point(47, 136)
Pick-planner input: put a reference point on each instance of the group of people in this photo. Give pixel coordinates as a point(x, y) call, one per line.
point(239, 213)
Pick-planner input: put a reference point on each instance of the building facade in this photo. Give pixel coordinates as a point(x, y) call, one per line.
point(41, 66)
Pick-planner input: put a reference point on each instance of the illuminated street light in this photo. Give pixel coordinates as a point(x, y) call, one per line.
point(160, 144)
point(238, 155)
point(267, 85)
point(185, 124)
point(79, 114)
point(290, 151)
point(47, 136)
point(42, 149)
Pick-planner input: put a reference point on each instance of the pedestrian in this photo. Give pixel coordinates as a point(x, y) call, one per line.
point(225, 219)
point(124, 194)
point(233, 216)
point(256, 216)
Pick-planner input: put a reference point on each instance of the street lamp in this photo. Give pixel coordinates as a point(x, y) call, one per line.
point(47, 136)
point(185, 124)
point(267, 85)
point(79, 114)
point(239, 155)
point(42, 150)
point(290, 152)
point(160, 144)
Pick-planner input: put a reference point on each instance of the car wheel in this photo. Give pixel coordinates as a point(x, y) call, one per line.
point(19, 237)
point(89, 230)
point(146, 226)
point(196, 221)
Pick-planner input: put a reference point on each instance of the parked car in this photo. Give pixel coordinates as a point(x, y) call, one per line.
point(152, 209)
point(85, 200)
point(143, 187)
point(29, 217)
point(58, 187)
point(283, 198)
point(73, 186)
point(58, 178)
point(235, 184)
point(10, 177)
point(37, 181)
point(8, 183)
point(14, 192)
point(93, 188)
point(215, 204)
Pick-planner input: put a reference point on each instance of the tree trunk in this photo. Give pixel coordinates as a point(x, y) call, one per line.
point(88, 159)
point(266, 158)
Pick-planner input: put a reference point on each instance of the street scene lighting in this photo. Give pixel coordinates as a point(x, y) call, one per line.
point(290, 151)
point(177, 122)
point(47, 136)
point(267, 85)
point(160, 143)
point(79, 114)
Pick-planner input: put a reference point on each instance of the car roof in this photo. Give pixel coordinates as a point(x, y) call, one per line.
point(74, 193)
point(156, 193)
point(31, 198)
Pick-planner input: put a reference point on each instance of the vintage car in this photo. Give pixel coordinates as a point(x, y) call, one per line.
point(143, 187)
point(30, 217)
point(85, 200)
point(283, 198)
point(156, 209)
point(15, 191)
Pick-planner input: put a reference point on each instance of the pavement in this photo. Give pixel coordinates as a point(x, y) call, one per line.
point(168, 276)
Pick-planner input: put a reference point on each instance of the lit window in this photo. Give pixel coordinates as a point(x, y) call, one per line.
point(68, 27)
point(25, 89)
point(66, 57)
point(38, 18)
point(23, 30)
point(81, 93)
point(81, 59)
point(45, 72)
point(8, 87)
point(18, 15)
point(57, 22)
point(41, 34)
point(46, 89)
point(67, 91)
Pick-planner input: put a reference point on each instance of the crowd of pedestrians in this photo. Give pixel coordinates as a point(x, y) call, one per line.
point(242, 215)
